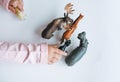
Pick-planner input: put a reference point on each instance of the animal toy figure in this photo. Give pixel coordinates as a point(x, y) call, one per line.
point(78, 52)
point(67, 34)
point(67, 43)
point(56, 24)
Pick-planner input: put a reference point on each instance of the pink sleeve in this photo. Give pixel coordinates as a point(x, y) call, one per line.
point(4, 3)
point(24, 53)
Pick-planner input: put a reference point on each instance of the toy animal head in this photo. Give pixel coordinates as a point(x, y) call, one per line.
point(68, 9)
point(67, 19)
point(81, 35)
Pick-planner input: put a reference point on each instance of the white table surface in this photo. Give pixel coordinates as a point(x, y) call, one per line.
point(101, 63)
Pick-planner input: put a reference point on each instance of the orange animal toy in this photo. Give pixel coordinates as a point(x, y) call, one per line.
point(67, 34)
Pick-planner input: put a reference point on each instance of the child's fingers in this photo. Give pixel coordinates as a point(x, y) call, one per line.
point(49, 62)
point(60, 52)
point(14, 4)
point(11, 9)
point(52, 61)
point(57, 57)
point(55, 45)
point(17, 4)
point(20, 7)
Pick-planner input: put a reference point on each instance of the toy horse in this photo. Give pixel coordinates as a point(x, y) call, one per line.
point(67, 34)
point(78, 52)
point(56, 24)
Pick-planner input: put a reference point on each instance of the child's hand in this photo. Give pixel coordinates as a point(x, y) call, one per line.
point(15, 4)
point(54, 54)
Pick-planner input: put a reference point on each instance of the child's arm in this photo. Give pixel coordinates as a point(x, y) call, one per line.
point(23, 53)
point(29, 53)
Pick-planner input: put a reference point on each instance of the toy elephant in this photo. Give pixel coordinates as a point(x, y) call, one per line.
point(78, 52)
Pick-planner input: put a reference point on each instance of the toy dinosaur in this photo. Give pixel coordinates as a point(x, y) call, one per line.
point(57, 23)
point(67, 34)
point(78, 52)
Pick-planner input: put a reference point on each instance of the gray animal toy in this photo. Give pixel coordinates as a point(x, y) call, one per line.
point(78, 52)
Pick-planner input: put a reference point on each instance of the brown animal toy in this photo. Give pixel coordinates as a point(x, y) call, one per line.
point(67, 34)
point(56, 24)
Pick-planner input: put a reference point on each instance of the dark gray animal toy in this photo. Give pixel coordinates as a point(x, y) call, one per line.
point(57, 23)
point(66, 44)
point(78, 52)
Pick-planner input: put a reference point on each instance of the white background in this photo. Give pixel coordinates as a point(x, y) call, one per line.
point(101, 63)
